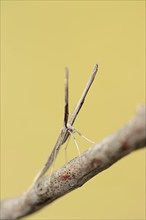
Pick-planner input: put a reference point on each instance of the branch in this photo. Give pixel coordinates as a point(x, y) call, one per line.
point(78, 171)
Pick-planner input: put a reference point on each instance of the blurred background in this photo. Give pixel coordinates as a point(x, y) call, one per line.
point(40, 38)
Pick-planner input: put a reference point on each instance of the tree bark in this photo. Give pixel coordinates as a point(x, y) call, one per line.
point(79, 170)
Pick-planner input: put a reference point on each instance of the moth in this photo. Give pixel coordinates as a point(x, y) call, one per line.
point(67, 130)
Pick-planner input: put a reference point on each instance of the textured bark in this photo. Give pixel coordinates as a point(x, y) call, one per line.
point(78, 171)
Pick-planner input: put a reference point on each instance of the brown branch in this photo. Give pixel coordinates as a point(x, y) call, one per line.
point(78, 171)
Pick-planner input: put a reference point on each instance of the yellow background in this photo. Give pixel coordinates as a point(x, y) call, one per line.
point(40, 38)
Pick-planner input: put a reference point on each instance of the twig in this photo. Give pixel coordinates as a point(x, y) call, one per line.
point(74, 174)
point(64, 134)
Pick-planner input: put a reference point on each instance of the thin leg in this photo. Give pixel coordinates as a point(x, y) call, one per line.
point(85, 137)
point(66, 159)
point(75, 143)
